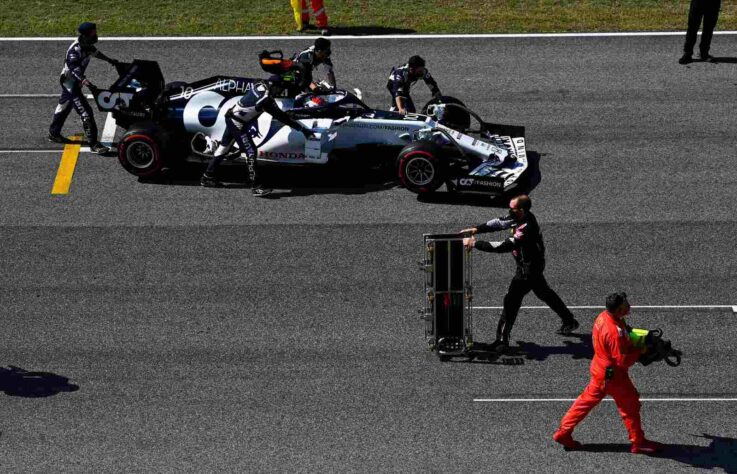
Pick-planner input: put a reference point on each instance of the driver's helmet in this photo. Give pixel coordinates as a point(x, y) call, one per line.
point(315, 101)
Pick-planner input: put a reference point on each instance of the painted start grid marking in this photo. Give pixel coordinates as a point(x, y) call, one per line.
point(372, 37)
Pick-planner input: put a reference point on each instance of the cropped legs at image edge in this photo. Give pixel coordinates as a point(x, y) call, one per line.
point(302, 13)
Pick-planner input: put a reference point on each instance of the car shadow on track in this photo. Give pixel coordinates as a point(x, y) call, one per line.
point(287, 182)
point(18, 382)
point(721, 453)
point(529, 351)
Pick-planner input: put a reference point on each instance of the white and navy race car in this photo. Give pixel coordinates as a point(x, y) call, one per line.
point(169, 123)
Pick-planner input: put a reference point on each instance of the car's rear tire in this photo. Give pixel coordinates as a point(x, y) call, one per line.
point(454, 117)
point(420, 168)
point(140, 151)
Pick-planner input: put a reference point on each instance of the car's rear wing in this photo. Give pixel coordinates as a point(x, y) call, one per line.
point(135, 91)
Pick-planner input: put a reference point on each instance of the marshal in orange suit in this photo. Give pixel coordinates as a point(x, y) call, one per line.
point(614, 354)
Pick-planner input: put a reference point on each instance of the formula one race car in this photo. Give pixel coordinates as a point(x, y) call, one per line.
point(169, 123)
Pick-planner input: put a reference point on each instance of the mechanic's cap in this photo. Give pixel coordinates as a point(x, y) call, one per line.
point(615, 300)
point(86, 27)
point(416, 61)
point(322, 44)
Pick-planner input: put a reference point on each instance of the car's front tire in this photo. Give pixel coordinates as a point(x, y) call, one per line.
point(420, 168)
point(140, 151)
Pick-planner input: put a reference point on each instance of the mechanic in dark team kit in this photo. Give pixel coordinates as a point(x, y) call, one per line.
point(614, 354)
point(72, 79)
point(401, 79)
point(241, 124)
point(528, 249)
point(708, 10)
point(316, 55)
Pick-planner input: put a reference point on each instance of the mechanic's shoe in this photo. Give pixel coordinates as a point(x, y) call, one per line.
point(99, 148)
point(568, 328)
point(210, 181)
point(706, 57)
point(57, 138)
point(499, 347)
point(566, 439)
point(647, 447)
point(685, 59)
point(260, 191)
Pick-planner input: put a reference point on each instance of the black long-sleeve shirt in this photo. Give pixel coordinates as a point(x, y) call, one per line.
point(526, 243)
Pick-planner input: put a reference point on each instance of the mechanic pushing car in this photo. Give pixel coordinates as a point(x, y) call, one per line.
point(401, 79)
point(528, 249)
point(241, 124)
point(316, 55)
point(72, 79)
point(614, 354)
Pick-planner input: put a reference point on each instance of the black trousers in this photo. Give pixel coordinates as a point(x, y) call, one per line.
point(518, 288)
point(708, 10)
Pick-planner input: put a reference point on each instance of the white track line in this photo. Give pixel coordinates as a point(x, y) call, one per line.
point(547, 400)
point(35, 96)
point(365, 37)
point(84, 149)
point(58, 150)
point(667, 306)
point(108, 132)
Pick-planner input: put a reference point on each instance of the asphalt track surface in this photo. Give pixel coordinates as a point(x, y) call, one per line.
point(210, 331)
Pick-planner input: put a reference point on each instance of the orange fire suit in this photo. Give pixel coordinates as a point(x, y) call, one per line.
point(302, 13)
point(614, 354)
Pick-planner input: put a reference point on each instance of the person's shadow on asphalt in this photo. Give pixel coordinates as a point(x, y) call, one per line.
point(721, 453)
point(17, 382)
point(517, 354)
point(724, 60)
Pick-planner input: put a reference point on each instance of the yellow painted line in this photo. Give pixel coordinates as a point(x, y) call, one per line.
point(66, 167)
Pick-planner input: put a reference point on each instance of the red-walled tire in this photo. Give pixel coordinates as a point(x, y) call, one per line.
point(139, 151)
point(420, 168)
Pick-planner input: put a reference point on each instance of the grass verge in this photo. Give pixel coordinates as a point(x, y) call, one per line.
point(274, 17)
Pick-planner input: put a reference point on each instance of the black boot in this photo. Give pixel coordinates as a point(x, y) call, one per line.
point(259, 190)
point(568, 327)
point(57, 138)
point(99, 148)
point(685, 59)
point(210, 181)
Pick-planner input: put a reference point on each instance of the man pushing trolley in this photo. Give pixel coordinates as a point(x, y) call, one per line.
point(527, 247)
